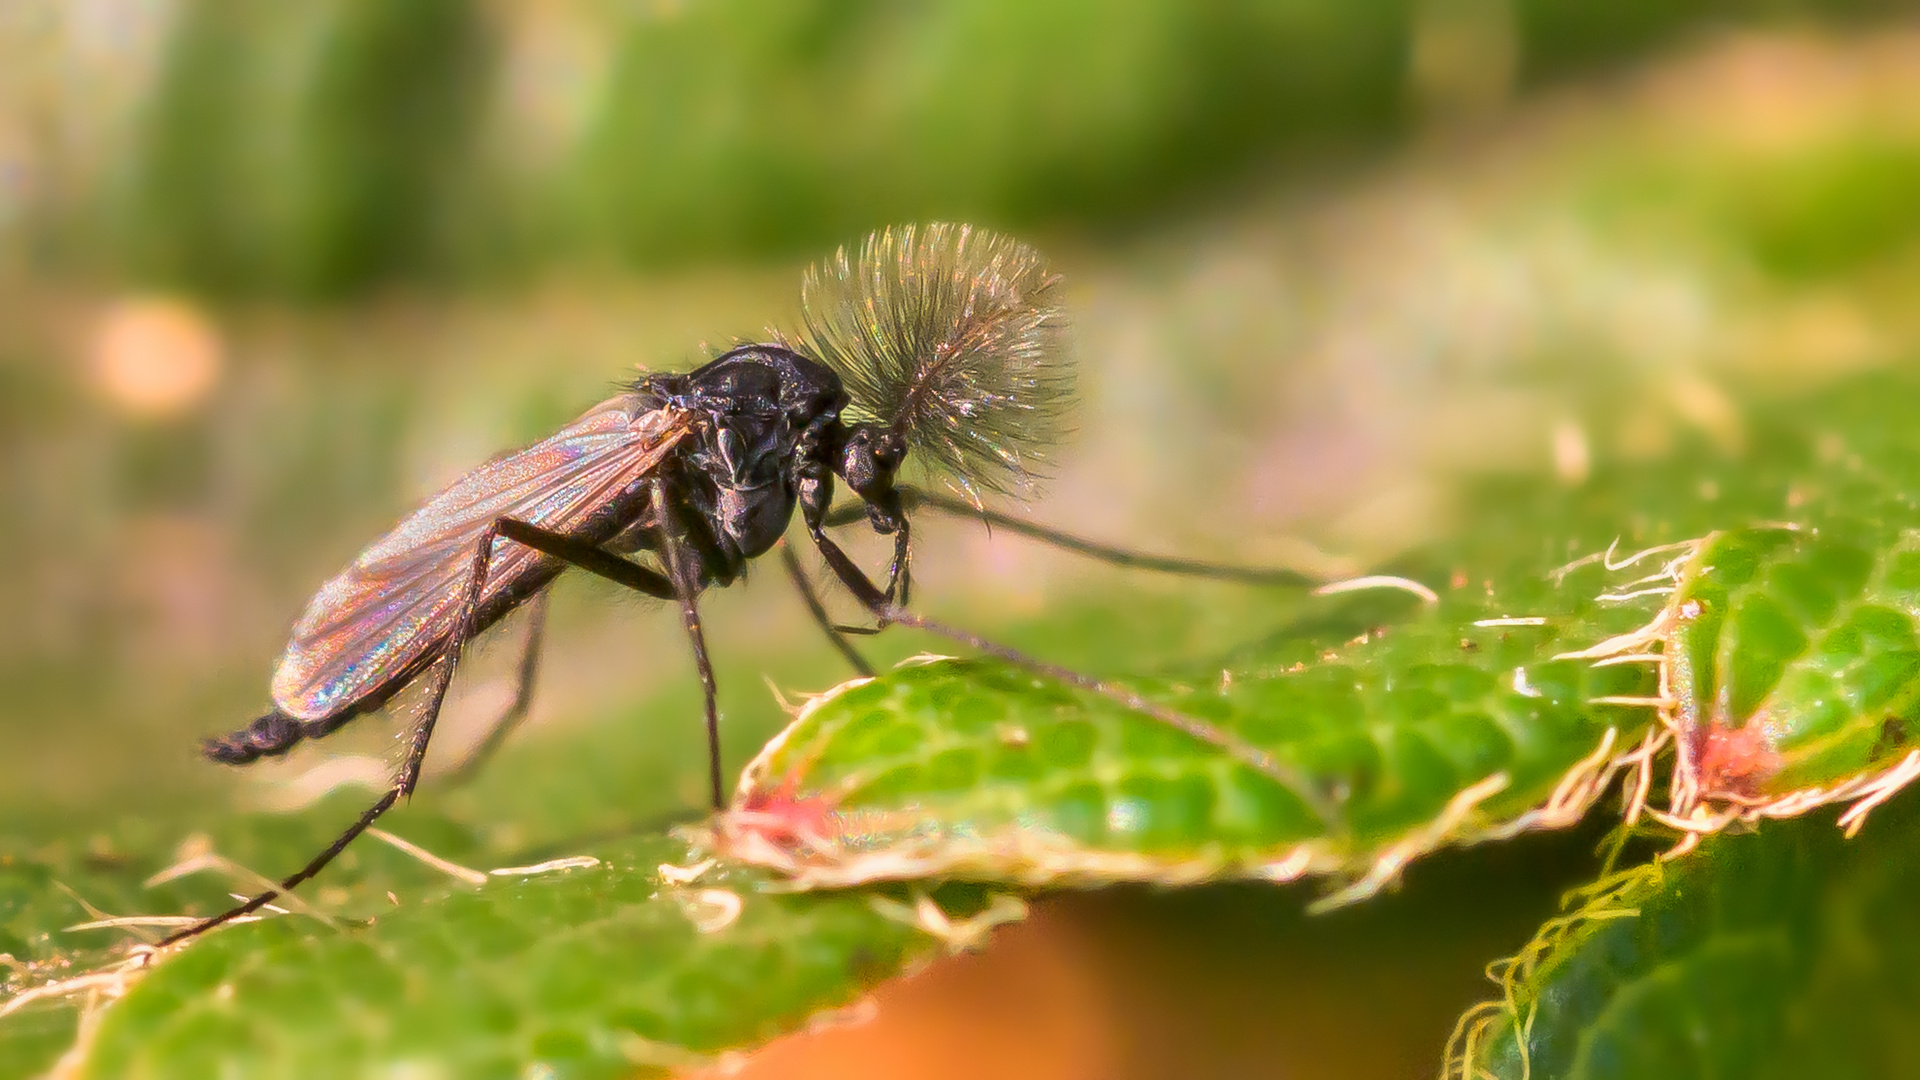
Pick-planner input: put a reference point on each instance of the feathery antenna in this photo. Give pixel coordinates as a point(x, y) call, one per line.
point(954, 338)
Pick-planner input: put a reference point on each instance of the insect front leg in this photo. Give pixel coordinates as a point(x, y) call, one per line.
point(886, 515)
point(898, 584)
point(870, 595)
point(900, 568)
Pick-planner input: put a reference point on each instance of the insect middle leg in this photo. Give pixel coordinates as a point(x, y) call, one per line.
point(510, 719)
point(835, 633)
point(680, 585)
point(685, 575)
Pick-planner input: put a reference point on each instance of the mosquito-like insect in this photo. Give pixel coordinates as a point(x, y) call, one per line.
point(946, 341)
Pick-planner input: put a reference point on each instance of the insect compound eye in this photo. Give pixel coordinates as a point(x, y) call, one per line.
point(865, 470)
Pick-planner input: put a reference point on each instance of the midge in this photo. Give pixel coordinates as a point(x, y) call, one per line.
point(947, 342)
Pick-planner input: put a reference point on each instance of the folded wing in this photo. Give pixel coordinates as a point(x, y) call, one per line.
point(399, 599)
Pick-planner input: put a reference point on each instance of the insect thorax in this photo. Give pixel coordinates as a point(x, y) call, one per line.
point(762, 411)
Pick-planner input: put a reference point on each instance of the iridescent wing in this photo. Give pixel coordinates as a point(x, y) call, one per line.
point(399, 599)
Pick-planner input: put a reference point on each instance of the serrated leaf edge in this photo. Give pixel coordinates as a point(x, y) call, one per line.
point(1614, 896)
point(1693, 810)
point(799, 836)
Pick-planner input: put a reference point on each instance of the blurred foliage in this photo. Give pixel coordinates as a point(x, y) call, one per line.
point(824, 117)
point(1829, 211)
point(1569, 37)
point(330, 148)
point(312, 150)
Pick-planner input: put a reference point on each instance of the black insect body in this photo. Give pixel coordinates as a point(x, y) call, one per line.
point(951, 341)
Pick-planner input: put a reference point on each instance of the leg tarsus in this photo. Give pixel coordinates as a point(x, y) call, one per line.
point(318, 863)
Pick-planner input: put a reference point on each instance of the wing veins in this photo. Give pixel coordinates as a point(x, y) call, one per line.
point(384, 611)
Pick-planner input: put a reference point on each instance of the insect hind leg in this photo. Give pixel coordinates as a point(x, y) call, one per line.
point(518, 707)
point(272, 731)
point(584, 556)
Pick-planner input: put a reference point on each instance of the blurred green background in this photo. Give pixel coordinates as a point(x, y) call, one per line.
point(271, 273)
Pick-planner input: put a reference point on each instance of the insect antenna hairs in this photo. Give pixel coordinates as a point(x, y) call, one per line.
point(952, 338)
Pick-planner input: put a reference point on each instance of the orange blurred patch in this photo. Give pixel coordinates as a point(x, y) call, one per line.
point(156, 357)
point(1029, 1008)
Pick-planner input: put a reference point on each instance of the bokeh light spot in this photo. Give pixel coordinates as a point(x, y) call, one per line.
point(156, 357)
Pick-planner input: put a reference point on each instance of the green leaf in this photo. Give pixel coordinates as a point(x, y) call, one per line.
point(972, 767)
point(585, 972)
point(1784, 953)
point(1770, 593)
point(61, 965)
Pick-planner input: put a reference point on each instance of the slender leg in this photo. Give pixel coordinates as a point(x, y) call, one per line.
point(899, 582)
point(1116, 556)
point(886, 611)
point(573, 551)
point(409, 774)
point(515, 713)
point(900, 570)
point(678, 584)
point(686, 587)
point(596, 561)
point(819, 611)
